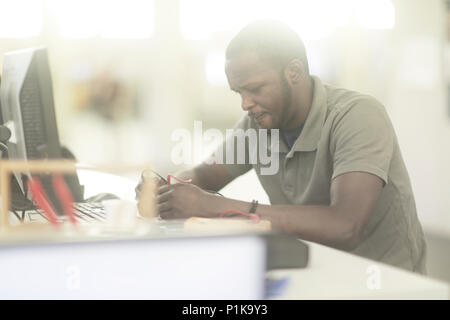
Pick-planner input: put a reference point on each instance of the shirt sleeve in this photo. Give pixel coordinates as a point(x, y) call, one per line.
point(362, 140)
point(233, 156)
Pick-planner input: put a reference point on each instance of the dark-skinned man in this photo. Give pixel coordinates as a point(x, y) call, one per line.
point(341, 180)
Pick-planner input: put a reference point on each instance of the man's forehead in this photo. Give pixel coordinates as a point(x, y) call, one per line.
point(246, 67)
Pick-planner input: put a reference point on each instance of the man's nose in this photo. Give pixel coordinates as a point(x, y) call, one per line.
point(247, 103)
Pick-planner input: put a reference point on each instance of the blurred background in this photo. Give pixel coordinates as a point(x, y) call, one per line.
point(126, 74)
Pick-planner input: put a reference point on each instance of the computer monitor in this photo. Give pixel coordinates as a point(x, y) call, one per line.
point(28, 108)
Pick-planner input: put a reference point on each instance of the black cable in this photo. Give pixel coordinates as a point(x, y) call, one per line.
point(159, 176)
point(4, 149)
point(214, 192)
point(17, 215)
point(22, 205)
point(17, 202)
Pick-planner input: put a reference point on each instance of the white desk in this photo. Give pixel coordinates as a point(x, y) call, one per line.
point(229, 267)
point(333, 274)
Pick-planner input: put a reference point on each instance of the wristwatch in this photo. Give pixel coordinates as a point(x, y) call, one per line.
point(253, 207)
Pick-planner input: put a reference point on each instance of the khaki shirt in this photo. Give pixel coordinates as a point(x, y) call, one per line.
point(346, 131)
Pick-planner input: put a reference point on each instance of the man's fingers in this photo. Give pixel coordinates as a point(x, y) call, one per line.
point(164, 188)
point(163, 207)
point(164, 197)
point(167, 214)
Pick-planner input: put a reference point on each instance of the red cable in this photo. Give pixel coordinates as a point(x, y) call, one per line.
point(42, 202)
point(65, 196)
point(171, 176)
point(252, 216)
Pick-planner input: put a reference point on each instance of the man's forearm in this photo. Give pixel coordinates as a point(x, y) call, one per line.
point(321, 224)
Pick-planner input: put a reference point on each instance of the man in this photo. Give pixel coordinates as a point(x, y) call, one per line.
point(341, 181)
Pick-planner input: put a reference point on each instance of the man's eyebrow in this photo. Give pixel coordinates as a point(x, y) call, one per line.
point(253, 84)
point(248, 85)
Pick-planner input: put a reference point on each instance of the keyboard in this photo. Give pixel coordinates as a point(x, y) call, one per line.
point(90, 211)
point(85, 212)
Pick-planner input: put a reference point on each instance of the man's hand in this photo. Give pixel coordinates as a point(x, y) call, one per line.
point(181, 201)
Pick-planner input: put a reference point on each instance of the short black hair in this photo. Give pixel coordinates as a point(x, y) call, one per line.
point(270, 39)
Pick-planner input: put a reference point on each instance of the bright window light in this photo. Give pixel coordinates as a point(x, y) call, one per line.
point(199, 19)
point(124, 19)
point(313, 19)
point(215, 69)
point(76, 19)
point(128, 19)
point(376, 14)
point(20, 18)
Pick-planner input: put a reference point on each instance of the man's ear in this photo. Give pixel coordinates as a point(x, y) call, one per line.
point(294, 71)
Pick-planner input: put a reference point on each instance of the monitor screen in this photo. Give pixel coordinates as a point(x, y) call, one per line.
point(27, 107)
